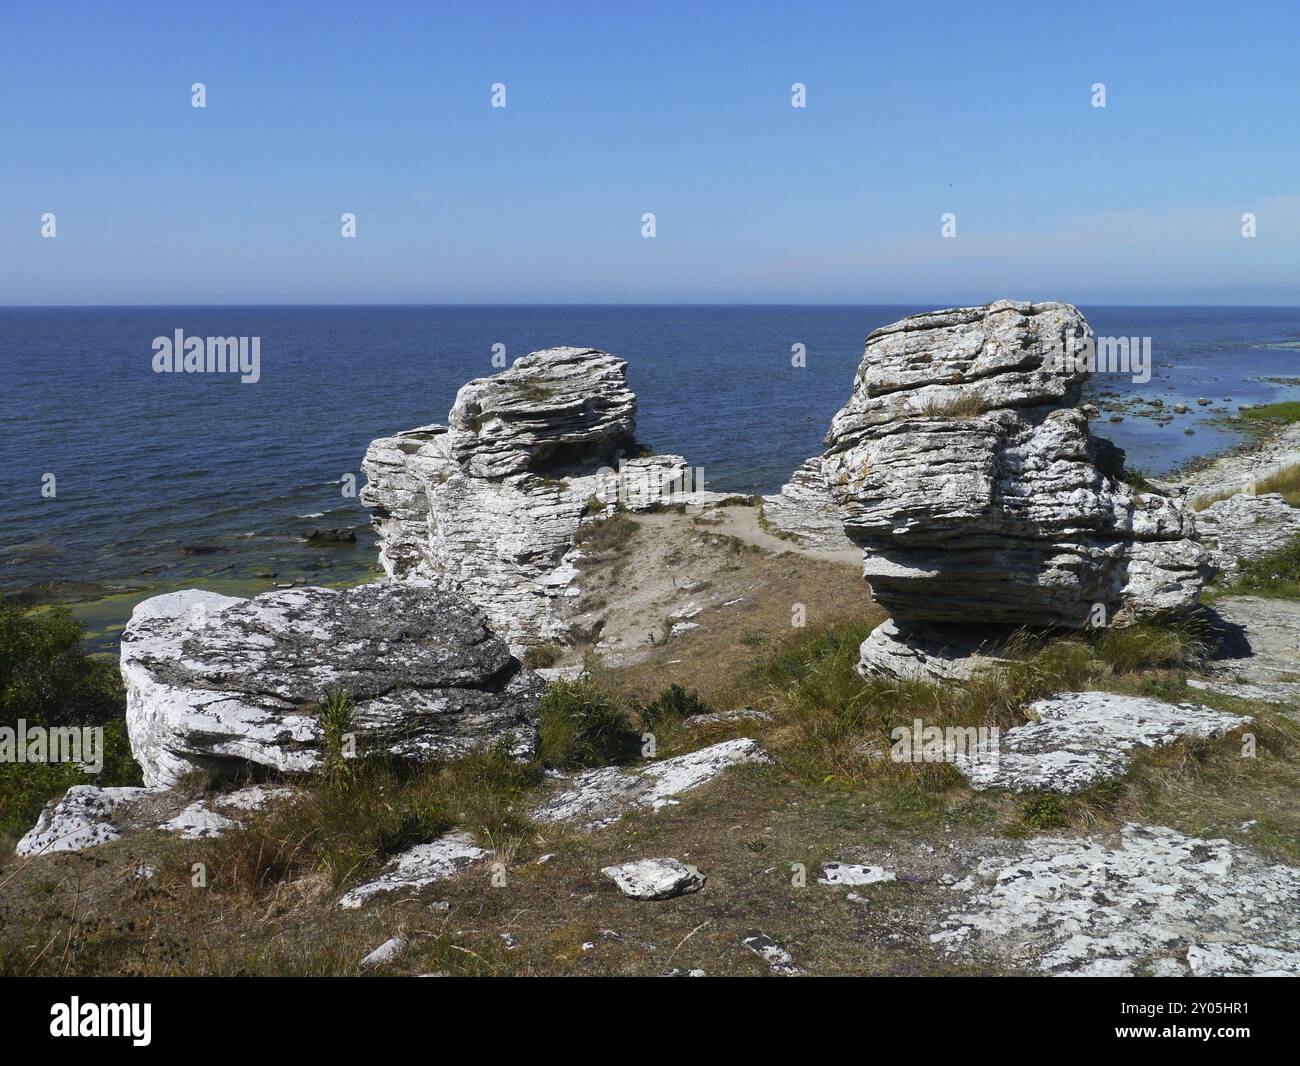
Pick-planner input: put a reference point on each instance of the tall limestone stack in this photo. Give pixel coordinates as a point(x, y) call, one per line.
point(488, 505)
point(964, 467)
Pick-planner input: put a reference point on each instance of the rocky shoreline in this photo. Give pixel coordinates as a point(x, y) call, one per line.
point(962, 509)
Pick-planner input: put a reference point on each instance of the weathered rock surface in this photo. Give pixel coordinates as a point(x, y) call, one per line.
point(1258, 651)
point(964, 468)
point(595, 798)
point(805, 510)
point(652, 879)
point(82, 818)
point(1246, 527)
point(419, 866)
point(390, 950)
point(489, 504)
point(225, 684)
point(87, 815)
point(1079, 738)
point(1159, 902)
point(740, 714)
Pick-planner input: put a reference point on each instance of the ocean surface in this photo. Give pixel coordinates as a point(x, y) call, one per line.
point(164, 480)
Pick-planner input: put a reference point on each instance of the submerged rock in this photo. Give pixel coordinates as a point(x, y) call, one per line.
point(1076, 739)
point(489, 504)
point(1158, 902)
point(964, 468)
point(226, 685)
point(652, 879)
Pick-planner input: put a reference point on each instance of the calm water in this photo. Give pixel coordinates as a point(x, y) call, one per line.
point(147, 464)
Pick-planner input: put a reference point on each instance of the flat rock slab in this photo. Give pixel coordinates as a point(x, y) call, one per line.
point(1080, 738)
point(1158, 902)
point(596, 798)
point(225, 684)
point(87, 815)
point(1259, 657)
point(420, 866)
point(651, 879)
point(740, 714)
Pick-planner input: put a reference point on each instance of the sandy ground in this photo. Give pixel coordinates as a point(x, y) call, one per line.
point(702, 597)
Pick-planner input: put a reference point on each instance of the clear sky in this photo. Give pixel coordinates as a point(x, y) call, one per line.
point(384, 109)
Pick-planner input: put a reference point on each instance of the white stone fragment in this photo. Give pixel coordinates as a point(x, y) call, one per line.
point(843, 873)
point(420, 866)
point(389, 951)
point(599, 797)
point(651, 879)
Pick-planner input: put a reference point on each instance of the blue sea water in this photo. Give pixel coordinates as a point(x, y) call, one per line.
point(147, 463)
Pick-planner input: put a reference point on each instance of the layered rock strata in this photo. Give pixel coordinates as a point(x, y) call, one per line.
point(963, 466)
point(488, 505)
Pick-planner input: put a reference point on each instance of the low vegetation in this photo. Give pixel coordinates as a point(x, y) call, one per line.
point(581, 723)
point(1276, 574)
point(1286, 412)
point(47, 680)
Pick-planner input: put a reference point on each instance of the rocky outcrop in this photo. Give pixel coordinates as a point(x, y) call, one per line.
point(417, 867)
point(963, 465)
point(88, 815)
point(1246, 527)
point(1075, 739)
point(805, 511)
point(489, 504)
point(1155, 902)
point(231, 685)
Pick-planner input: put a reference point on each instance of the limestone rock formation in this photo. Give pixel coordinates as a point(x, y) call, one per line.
point(1075, 739)
point(1154, 902)
point(229, 685)
point(805, 510)
point(1246, 527)
point(963, 465)
point(488, 505)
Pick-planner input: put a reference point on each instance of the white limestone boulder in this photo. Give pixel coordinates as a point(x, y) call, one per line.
point(226, 685)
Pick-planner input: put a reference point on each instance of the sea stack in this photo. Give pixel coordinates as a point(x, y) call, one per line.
point(964, 468)
point(488, 505)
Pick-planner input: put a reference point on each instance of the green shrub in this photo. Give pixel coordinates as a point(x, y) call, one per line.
point(47, 680)
point(582, 724)
point(1275, 574)
point(672, 705)
point(334, 715)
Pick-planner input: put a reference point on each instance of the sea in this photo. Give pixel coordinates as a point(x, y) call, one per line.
point(113, 474)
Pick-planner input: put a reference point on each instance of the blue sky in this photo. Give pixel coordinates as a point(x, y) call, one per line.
point(383, 109)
